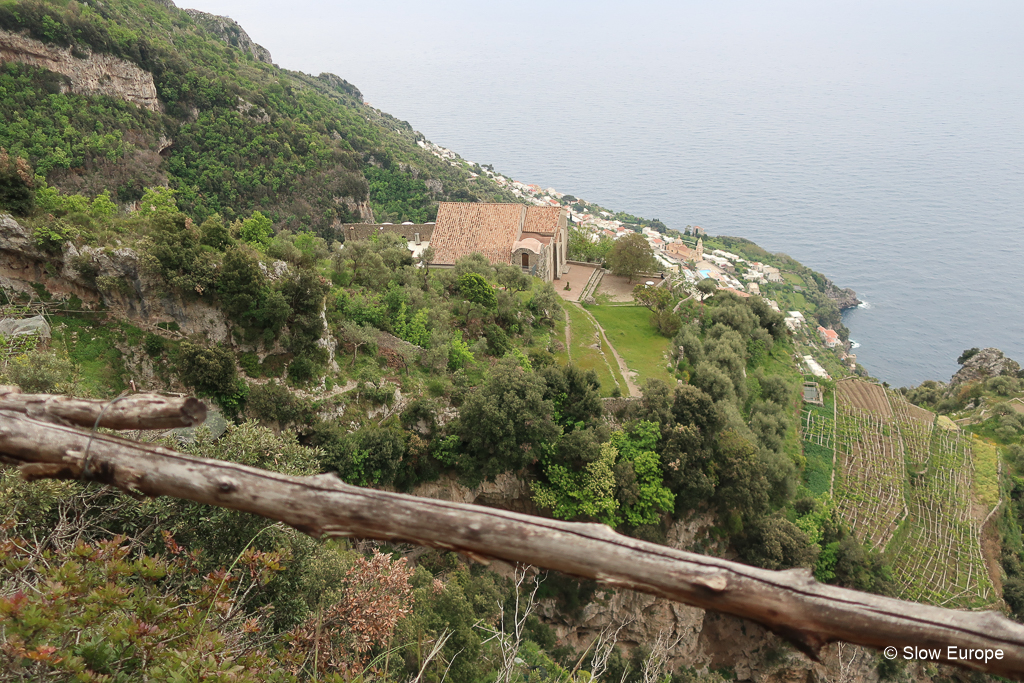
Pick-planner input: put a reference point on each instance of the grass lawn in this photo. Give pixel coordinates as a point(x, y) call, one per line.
point(793, 279)
point(90, 346)
point(630, 331)
point(818, 459)
point(583, 355)
point(986, 475)
point(818, 472)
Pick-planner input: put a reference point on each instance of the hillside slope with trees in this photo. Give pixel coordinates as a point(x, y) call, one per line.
point(193, 248)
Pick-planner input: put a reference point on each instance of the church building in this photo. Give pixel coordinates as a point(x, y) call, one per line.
point(532, 237)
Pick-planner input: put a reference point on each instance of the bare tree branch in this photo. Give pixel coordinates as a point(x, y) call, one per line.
point(139, 411)
point(789, 602)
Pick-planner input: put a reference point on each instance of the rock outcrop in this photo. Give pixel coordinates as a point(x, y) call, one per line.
point(984, 364)
point(228, 31)
point(340, 84)
point(95, 74)
point(111, 276)
point(507, 492)
point(843, 298)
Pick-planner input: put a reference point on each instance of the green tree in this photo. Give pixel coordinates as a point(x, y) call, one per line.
point(506, 423)
point(209, 370)
point(706, 288)
point(582, 246)
point(776, 543)
point(182, 262)
point(214, 233)
point(458, 352)
point(366, 265)
point(585, 494)
point(17, 186)
point(641, 493)
point(103, 207)
point(512, 277)
point(358, 335)
point(476, 289)
point(158, 200)
point(257, 230)
point(574, 393)
point(654, 298)
point(630, 255)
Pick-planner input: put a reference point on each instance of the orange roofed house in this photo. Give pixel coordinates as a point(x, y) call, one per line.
point(532, 237)
point(830, 337)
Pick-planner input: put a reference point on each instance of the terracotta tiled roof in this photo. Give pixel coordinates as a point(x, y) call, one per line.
point(681, 250)
point(542, 219)
point(462, 228)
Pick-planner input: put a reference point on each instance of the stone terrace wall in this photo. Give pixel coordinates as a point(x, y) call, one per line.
point(362, 231)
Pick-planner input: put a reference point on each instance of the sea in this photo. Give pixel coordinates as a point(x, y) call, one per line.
point(880, 143)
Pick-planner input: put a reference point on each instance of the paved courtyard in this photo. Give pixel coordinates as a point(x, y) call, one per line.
point(620, 289)
point(577, 277)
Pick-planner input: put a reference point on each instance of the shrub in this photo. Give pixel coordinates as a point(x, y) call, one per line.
point(257, 230)
point(272, 402)
point(17, 192)
point(476, 289)
point(42, 372)
point(154, 344)
point(367, 457)
point(302, 370)
point(250, 363)
point(498, 343)
point(52, 236)
point(458, 352)
point(207, 370)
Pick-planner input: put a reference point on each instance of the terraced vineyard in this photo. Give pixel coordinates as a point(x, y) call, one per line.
point(905, 488)
point(870, 475)
point(937, 553)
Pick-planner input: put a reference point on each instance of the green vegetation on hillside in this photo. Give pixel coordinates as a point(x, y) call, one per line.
point(354, 359)
point(237, 135)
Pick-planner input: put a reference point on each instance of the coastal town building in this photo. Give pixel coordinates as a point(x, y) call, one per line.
point(681, 252)
point(532, 237)
point(794, 320)
point(814, 367)
point(829, 337)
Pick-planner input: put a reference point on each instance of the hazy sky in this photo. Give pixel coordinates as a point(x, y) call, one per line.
point(557, 41)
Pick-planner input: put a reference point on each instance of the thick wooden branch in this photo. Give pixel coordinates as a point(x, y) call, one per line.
point(137, 411)
point(790, 602)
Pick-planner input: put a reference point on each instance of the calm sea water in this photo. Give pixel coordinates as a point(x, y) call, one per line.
point(879, 143)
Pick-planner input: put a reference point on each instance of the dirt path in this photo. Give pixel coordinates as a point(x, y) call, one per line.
point(568, 337)
point(568, 346)
point(630, 386)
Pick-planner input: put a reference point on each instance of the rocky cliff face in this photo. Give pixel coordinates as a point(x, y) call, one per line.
point(94, 74)
point(228, 31)
point(984, 364)
point(110, 276)
point(843, 298)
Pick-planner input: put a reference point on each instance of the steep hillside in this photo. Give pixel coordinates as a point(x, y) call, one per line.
point(226, 129)
point(175, 201)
